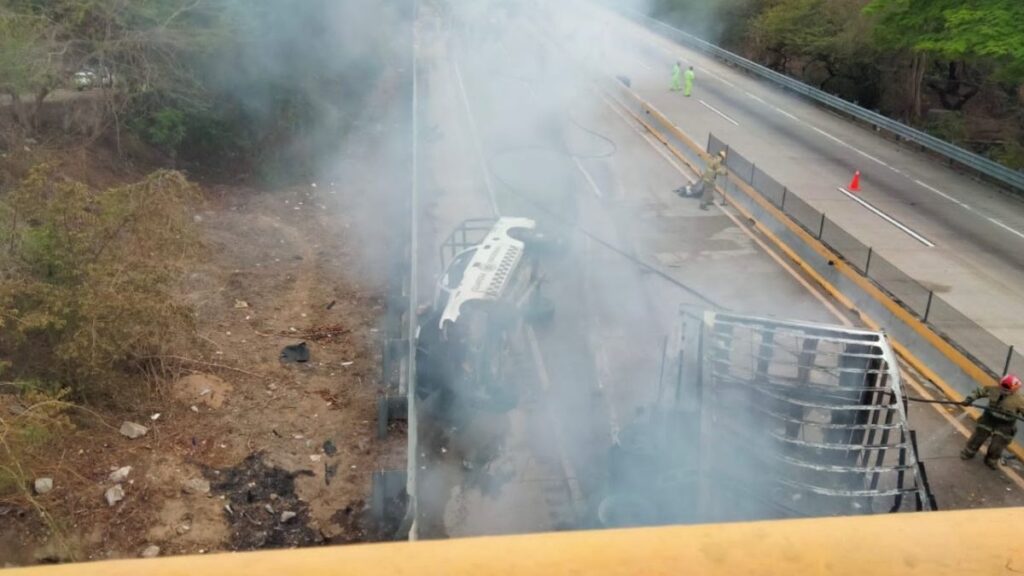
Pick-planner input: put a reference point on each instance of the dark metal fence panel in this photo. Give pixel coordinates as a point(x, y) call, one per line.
point(853, 250)
point(803, 213)
point(972, 338)
point(715, 145)
point(898, 283)
point(740, 166)
point(768, 186)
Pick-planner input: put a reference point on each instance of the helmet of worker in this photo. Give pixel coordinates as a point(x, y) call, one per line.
point(721, 154)
point(1010, 382)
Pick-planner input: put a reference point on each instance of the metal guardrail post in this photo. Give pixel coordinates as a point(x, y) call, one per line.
point(1009, 357)
point(821, 226)
point(867, 265)
point(782, 204)
point(928, 306)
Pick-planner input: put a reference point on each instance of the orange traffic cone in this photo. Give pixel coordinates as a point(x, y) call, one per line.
point(855, 183)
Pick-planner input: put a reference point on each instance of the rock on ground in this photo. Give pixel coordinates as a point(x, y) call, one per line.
point(196, 486)
point(287, 515)
point(151, 551)
point(43, 485)
point(114, 494)
point(120, 475)
point(133, 430)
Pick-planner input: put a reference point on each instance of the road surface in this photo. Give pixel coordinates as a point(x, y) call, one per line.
point(511, 127)
point(963, 238)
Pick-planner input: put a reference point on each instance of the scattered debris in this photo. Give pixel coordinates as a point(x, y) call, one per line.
point(194, 408)
point(287, 515)
point(120, 475)
point(295, 353)
point(248, 487)
point(315, 457)
point(43, 485)
point(133, 430)
point(151, 551)
point(196, 486)
point(155, 417)
point(330, 471)
point(329, 448)
point(347, 364)
point(241, 304)
point(331, 305)
point(114, 494)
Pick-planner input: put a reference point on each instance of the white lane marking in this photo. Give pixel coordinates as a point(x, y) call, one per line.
point(1005, 227)
point(593, 185)
point(1002, 225)
point(888, 218)
point(719, 112)
point(845, 145)
point(704, 70)
point(940, 193)
point(787, 114)
point(756, 97)
point(476, 140)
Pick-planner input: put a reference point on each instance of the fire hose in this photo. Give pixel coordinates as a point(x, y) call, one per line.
point(1013, 415)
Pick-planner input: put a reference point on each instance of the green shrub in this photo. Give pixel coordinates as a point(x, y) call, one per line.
point(88, 291)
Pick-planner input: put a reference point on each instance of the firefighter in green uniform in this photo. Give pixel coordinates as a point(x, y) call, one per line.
point(677, 77)
point(999, 420)
point(688, 81)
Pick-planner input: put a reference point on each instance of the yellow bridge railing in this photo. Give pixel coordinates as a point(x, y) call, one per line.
point(934, 544)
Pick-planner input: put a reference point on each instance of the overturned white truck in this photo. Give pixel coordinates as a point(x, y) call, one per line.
point(489, 286)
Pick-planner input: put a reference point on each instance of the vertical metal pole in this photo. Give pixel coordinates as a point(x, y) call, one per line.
point(751, 181)
point(412, 458)
point(867, 265)
point(928, 306)
point(1009, 357)
point(710, 136)
point(821, 226)
point(783, 204)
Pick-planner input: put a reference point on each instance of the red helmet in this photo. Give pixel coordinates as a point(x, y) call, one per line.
point(1010, 382)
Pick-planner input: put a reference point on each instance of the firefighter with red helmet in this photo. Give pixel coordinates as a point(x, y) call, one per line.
point(999, 420)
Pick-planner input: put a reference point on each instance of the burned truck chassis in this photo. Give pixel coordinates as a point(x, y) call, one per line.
point(759, 419)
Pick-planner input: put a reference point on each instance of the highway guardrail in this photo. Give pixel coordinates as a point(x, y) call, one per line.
point(979, 164)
